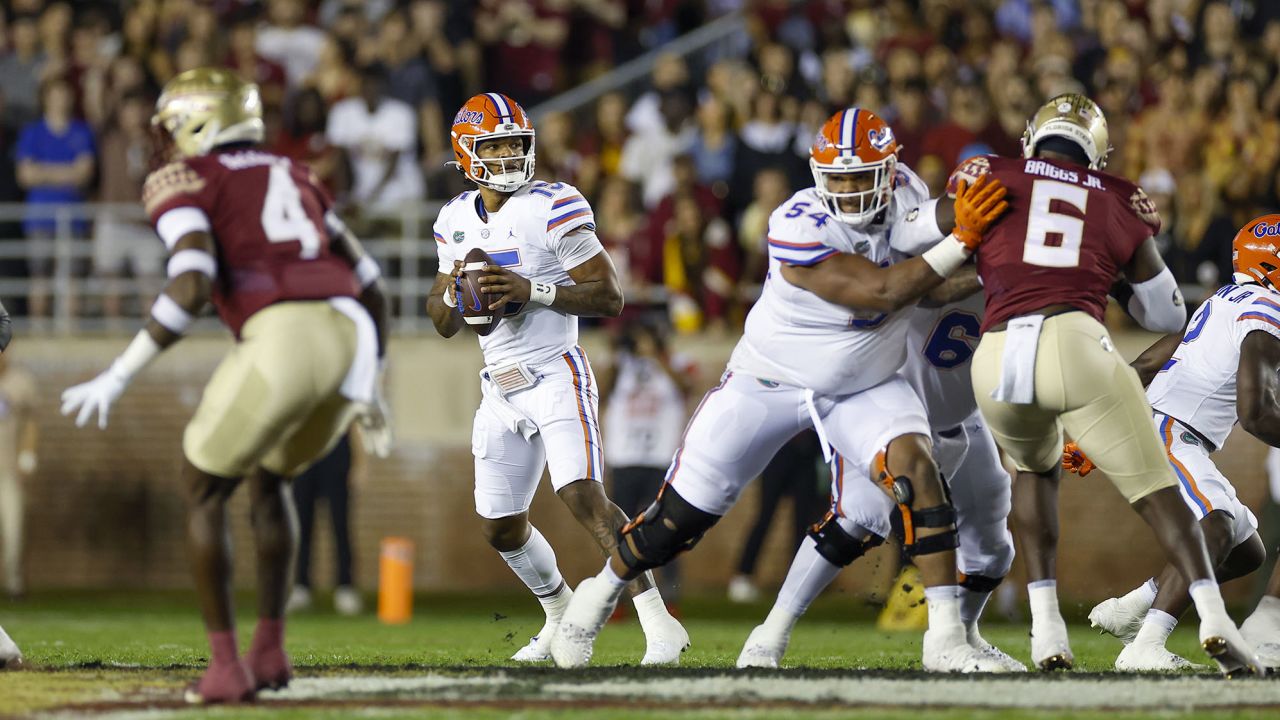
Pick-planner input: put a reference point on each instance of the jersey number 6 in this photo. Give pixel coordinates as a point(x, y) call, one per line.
point(1042, 223)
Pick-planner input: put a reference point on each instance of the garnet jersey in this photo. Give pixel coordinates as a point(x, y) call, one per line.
point(1197, 386)
point(267, 219)
point(795, 337)
point(533, 235)
point(1068, 232)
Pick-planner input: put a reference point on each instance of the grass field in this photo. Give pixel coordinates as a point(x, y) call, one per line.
point(129, 655)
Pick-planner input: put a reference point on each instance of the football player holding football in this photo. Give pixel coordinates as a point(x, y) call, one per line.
point(540, 400)
point(1224, 369)
point(1046, 363)
point(822, 349)
point(253, 233)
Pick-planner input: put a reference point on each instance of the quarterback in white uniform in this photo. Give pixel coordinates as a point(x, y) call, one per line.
point(940, 342)
point(1221, 370)
point(821, 350)
point(540, 401)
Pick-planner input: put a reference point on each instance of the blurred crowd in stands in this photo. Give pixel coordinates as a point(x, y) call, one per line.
point(682, 169)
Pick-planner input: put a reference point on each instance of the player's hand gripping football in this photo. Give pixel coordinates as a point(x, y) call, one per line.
point(1074, 460)
point(508, 285)
point(977, 205)
point(97, 395)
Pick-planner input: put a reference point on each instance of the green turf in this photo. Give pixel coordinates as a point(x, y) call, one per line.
point(100, 647)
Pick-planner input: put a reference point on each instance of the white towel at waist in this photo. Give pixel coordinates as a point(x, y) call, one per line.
point(511, 416)
point(1018, 364)
point(361, 380)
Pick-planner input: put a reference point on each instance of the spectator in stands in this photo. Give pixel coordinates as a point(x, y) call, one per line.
point(410, 80)
point(1161, 188)
point(334, 75)
point(18, 460)
point(644, 392)
point(330, 479)
point(244, 58)
point(558, 156)
point(378, 135)
point(968, 121)
point(628, 241)
point(670, 74)
point(139, 41)
point(56, 161)
point(602, 143)
point(524, 34)
point(22, 68)
point(684, 173)
point(593, 29)
point(446, 33)
point(302, 139)
point(771, 189)
point(911, 118)
point(647, 156)
point(288, 40)
point(699, 269)
point(767, 139)
point(124, 242)
point(714, 146)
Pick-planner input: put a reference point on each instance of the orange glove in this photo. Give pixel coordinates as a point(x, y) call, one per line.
point(1073, 460)
point(977, 207)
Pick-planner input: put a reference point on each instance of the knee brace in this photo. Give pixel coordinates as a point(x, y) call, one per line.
point(836, 545)
point(939, 516)
point(665, 529)
point(980, 583)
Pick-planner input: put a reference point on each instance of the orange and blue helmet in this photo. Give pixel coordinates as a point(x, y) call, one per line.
point(855, 141)
point(490, 116)
point(1254, 252)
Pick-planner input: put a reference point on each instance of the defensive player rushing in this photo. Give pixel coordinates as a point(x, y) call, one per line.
point(821, 349)
point(1046, 363)
point(1224, 368)
point(540, 399)
point(940, 344)
point(251, 232)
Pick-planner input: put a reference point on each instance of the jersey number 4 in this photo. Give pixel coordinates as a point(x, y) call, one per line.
point(283, 217)
point(1053, 238)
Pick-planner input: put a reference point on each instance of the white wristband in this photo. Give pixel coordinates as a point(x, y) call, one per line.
point(542, 293)
point(141, 351)
point(367, 271)
point(449, 299)
point(947, 256)
point(170, 315)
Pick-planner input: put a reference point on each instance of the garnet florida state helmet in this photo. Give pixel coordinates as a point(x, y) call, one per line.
point(1254, 256)
point(855, 141)
point(490, 116)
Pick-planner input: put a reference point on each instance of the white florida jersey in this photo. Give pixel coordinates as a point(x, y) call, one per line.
point(940, 344)
point(1197, 386)
point(531, 236)
point(795, 337)
point(646, 414)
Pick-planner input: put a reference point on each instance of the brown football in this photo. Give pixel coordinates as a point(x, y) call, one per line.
point(473, 302)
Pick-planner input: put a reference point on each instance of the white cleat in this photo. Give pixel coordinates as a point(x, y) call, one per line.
point(947, 651)
point(1050, 649)
point(1006, 661)
point(762, 650)
point(10, 655)
point(665, 638)
point(1263, 632)
point(1269, 655)
point(1235, 657)
point(539, 647)
point(1118, 617)
point(575, 639)
point(1144, 657)
point(299, 600)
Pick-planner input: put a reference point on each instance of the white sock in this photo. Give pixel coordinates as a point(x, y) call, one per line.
point(535, 564)
point(611, 580)
point(1156, 628)
point(1043, 595)
point(1144, 594)
point(554, 605)
point(780, 621)
point(649, 606)
point(944, 607)
point(1208, 599)
point(971, 605)
point(809, 575)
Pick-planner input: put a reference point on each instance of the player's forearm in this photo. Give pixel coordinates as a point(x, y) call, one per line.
point(595, 298)
point(880, 289)
point(1149, 363)
point(374, 300)
point(447, 320)
point(957, 287)
point(177, 307)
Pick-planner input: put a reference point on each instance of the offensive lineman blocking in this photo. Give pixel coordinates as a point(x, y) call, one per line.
point(821, 349)
point(540, 398)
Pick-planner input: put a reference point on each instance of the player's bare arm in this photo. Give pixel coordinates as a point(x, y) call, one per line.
point(960, 285)
point(1153, 358)
point(857, 283)
point(1258, 387)
point(442, 303)
point(1156, 303)
point(373, 294)
point(189, 290)
point(595, 291)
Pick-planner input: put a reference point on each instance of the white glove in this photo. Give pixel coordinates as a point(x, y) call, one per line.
point(375, 426)
point(97, 395)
